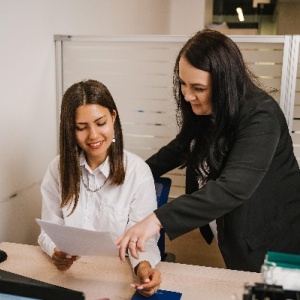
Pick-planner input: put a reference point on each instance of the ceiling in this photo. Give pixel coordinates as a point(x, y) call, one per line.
point(224, 12)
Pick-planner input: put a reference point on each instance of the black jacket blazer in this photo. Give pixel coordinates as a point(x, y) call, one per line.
point(255, 200)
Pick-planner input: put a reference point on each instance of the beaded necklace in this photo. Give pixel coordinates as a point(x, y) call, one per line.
point(95, 190)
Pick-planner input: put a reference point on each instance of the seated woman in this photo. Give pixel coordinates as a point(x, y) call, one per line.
point(94, 183)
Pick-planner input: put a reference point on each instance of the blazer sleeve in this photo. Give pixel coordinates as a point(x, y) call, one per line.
point(256, 140)
point(166, 159)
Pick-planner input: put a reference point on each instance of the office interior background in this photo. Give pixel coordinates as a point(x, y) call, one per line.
point(28, 84)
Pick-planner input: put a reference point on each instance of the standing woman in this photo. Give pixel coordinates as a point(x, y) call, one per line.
point(242, 178)
point(94, 183)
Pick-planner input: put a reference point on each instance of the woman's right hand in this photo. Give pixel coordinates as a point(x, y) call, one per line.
point(63, 261)
point(149, 279)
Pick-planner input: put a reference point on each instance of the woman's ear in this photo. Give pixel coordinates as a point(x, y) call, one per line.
point(114, 115)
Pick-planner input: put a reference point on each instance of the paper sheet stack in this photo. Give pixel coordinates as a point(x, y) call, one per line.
point(282, 269)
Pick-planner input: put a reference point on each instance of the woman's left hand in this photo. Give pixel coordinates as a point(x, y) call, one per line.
point(135, 237)
point(149, 279)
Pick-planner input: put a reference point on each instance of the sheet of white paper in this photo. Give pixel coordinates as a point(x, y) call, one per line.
point(77, 241)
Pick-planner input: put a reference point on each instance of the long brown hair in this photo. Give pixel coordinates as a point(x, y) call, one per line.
point(81, 93)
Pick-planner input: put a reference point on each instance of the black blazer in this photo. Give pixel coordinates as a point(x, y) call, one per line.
point(255, 200)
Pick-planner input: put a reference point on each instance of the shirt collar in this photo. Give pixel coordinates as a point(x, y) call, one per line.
point(103, 168)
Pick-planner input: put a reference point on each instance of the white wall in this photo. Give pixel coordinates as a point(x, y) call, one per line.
point(186, 17)
point(27, 84)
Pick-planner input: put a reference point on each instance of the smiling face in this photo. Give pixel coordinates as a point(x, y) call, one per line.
point(94, 132)
point(196, 87)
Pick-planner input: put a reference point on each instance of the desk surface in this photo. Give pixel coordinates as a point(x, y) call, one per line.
point(100, 277)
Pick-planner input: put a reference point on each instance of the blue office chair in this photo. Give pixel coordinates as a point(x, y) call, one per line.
point(162, 186)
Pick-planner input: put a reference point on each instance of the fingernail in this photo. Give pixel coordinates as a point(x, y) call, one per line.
point(140, 287)
point(68, 256)
point(147, 280)
point(132, 285)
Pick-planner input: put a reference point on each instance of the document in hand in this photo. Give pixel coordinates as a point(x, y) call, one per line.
point(77, 241)
point(159, 295)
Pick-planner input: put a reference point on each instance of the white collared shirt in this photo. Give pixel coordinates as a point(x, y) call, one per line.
point(112, 208)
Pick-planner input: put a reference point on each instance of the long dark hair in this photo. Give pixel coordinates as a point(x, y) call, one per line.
point(206, 140)
point(81, 93)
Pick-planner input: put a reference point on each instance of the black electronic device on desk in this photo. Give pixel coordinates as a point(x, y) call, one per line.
point(3, 256)
point(18, 287)
point(262, 291)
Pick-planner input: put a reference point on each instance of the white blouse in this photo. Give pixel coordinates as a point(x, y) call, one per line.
point(112, 208)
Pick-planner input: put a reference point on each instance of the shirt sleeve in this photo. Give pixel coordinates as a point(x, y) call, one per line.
point(143, 204)
point(254, 147)
point(51, 210)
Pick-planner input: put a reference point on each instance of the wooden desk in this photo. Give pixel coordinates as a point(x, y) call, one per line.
point(100, 277)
